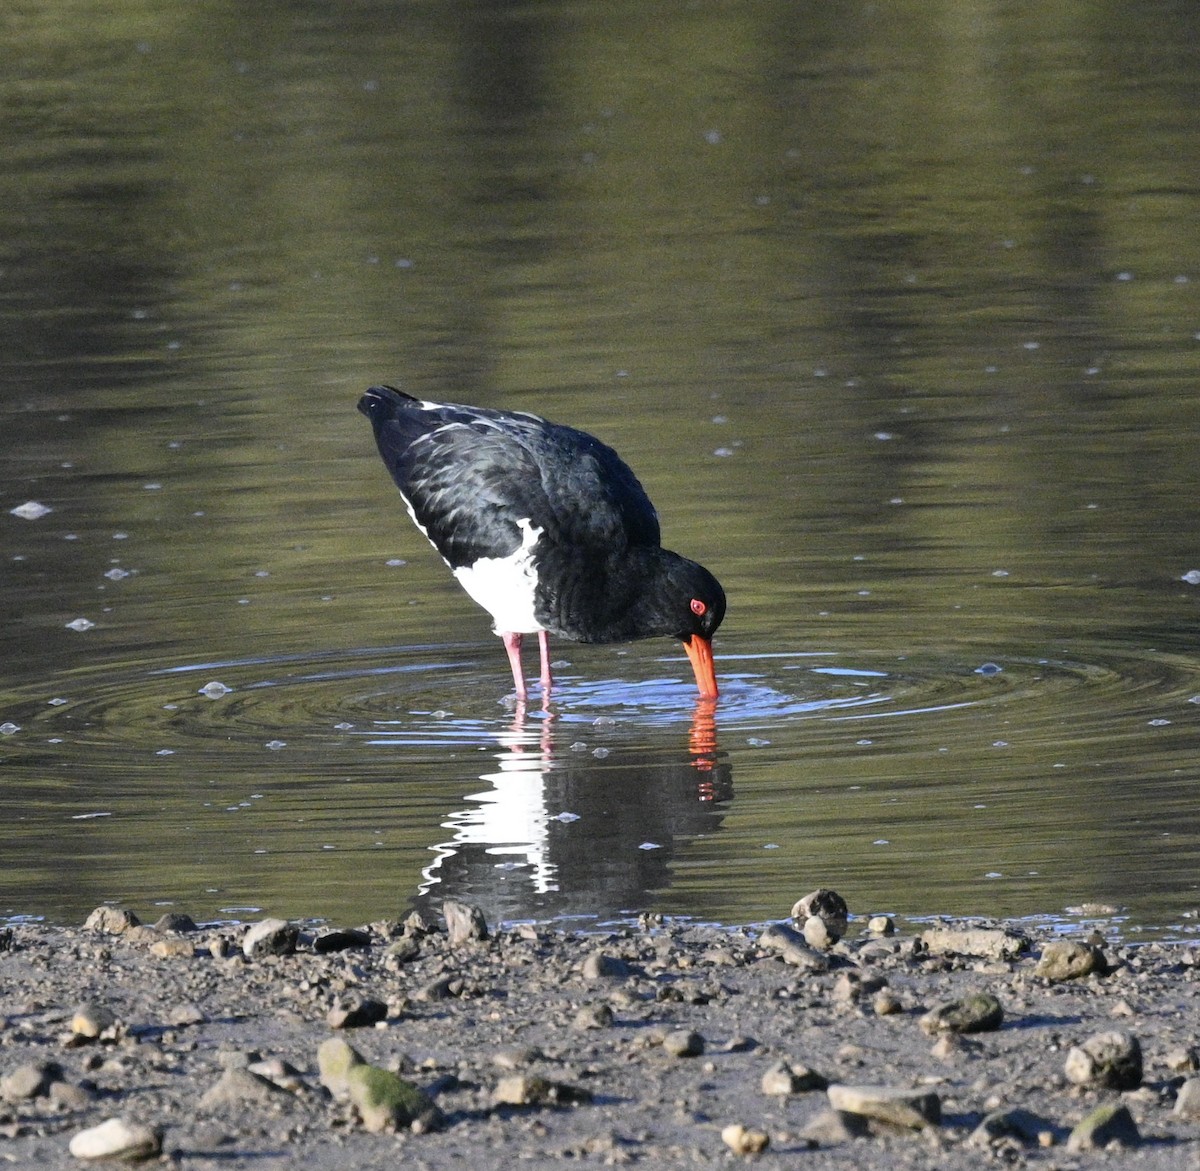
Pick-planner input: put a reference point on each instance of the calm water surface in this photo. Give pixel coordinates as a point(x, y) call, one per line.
point(895, 312)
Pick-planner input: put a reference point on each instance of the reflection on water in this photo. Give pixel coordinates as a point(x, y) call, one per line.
point(894, 313)
point(567, 835)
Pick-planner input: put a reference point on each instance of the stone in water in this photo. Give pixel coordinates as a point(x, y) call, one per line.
point(31, 510)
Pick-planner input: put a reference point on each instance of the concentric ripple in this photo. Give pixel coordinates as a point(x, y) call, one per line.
point(932, 781)
point(434, 695)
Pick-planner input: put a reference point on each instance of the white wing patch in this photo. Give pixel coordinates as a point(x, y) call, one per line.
point(504, 586)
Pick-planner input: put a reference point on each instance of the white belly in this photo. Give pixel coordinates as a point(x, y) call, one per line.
point(504, 586)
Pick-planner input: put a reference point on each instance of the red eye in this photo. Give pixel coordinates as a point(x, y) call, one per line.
point(698, 607)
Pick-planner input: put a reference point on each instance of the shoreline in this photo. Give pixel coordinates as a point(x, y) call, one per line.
point(666, 1044)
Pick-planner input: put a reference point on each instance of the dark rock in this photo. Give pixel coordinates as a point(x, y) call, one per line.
point(175, 921)
point(341, 940)
point(979, 1012)
point(829, 908)
point(355, 1012)
point(270, 937)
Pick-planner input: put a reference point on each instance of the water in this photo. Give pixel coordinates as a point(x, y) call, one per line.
point(893, 311)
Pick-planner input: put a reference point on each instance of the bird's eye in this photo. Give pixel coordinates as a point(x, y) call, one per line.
point(698, 607)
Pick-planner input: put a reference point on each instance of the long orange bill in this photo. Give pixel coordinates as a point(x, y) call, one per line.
point(699, 650)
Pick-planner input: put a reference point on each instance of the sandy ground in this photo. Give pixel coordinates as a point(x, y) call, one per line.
point(536, 1047)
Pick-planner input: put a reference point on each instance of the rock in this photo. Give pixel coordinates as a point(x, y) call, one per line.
point(515, 1056)
point(1026, 1127)
point(881, 925)
point(355, 1011)
point(1108, 1125)
point(175, 921)
point(1182, 1059)
point(440, 989)
point(783, 1078)
point(979, 1012)
point(67, 1096)
point(985, 942)
point(237, 1087)
point(183, 1016)
point(594, 1016)
point(793, 948)
point(464, 922)
point(331, 941)
point(384, 1100)
point(683, 1043)
point(111, 921)
point(1111, 1061)
point(829, 907)
point(1187, 1101)
point(420, 922)
point(817, 934)
point(335, 1059)
point(270, 937)
point(886, 1003)
point(166, 949)
point(404, 950)
point(831, 1127)
point(31, 1080)
point(523, 1089)
point(117, 1138)
point(911, 1109)
point(91, 1020)
point(1064, 959)
point(600, 965)
point(742, 1141)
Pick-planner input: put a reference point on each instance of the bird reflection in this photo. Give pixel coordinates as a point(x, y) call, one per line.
point(567, 828)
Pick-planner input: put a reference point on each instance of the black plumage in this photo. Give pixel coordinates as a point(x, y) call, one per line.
point(545, 526)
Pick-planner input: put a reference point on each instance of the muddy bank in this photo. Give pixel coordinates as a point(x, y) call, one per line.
point(666, 1045)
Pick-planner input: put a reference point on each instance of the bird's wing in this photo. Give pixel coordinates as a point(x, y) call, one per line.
point(597, 499)
point(468, 485)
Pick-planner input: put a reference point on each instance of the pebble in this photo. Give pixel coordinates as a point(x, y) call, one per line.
point(175, 921)
point(599, 965)
point(979, 1012)
point(237, 1087)
point(464, 922)
point(829, 909)
point(783, 1078)
point(355, 1012)
point(165, 949)
point(338, 940)
point(117, 1138)
point(1187, 1101)
point(1108, 1125)
point(1064, 959)
point(270, 937)
point(1111, 1061)
point(896, 1106)
point(743, 1141)
point(31, 1080)
point(1026, 1127)
point(92, 1020)
point(594, 1016)
point(385, 1101)
point(683, 1043)
point(335, 1059)
point(881, 925)
point(524, 1089)
point(793, 948)
point(111, 921)
point(992, 943)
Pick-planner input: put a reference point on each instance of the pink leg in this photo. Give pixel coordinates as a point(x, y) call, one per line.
point(512, 648)
point(544, 647)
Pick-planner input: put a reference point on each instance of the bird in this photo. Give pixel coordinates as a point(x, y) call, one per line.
point(546, 528)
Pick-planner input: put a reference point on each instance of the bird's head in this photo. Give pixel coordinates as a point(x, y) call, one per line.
point(700, 602)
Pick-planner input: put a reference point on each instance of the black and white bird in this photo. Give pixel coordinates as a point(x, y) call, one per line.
point(545, 527)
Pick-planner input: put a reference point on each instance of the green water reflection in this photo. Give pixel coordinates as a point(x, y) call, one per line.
point(894, 309)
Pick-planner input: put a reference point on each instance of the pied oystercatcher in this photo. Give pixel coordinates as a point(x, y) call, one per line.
point(545, 527)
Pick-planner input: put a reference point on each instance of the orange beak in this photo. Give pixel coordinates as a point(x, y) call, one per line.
point(699, 650)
